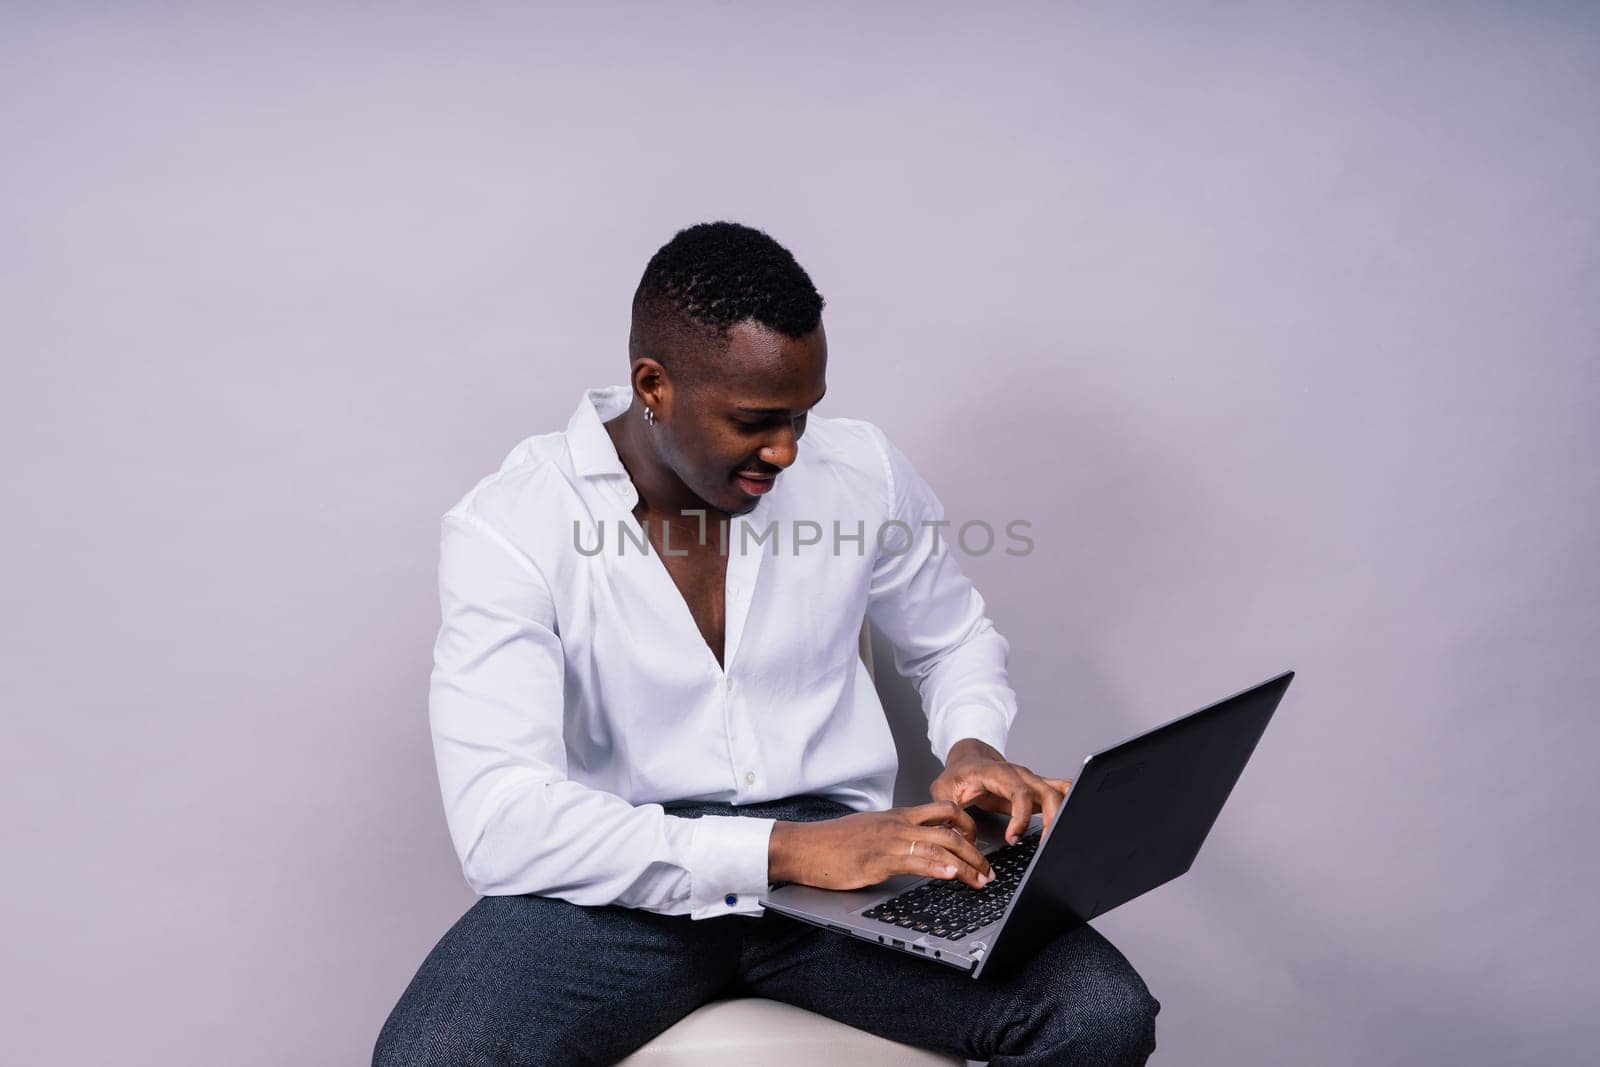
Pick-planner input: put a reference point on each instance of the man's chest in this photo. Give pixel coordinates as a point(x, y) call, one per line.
point(780, 590)
point(698, 568)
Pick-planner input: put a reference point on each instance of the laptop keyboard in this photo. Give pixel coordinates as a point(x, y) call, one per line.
point(953, 910)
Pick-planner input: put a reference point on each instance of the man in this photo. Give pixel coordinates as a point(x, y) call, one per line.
point(647, 704)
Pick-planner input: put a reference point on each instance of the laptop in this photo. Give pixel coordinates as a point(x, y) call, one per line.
point(1134, 819)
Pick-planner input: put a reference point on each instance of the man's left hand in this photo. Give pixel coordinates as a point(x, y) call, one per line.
point(975, 773)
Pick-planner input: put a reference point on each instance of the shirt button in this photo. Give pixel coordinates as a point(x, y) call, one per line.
point(730, 900)
point(728, 684)
point(749, 777)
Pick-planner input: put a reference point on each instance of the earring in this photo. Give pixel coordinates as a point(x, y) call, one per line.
point(649, 417)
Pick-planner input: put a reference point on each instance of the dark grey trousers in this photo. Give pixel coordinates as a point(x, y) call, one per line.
point(531, 980)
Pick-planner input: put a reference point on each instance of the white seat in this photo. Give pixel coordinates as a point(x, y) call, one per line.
point(748, 1032)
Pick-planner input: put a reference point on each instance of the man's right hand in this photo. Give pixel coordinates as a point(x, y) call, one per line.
point(932, 840)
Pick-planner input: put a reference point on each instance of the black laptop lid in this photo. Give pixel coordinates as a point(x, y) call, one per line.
point(1138, 813)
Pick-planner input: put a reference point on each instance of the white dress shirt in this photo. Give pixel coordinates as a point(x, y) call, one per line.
point(572, 693)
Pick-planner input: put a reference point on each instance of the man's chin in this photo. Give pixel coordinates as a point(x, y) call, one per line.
point(734, 501)
point(729, 504)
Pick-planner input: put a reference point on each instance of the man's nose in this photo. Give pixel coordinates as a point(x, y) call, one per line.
point(782, 449)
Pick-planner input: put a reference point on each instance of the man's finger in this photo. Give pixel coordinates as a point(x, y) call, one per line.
point(960, 847)
point(1049, 799)
point(943, 811)
point(932, 862)
point(963, 824)
point(990, 802)
point(1055, 798)
point(957, 822)
point(1021, 811)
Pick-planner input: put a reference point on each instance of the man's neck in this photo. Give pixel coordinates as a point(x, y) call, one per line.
point(660, 489)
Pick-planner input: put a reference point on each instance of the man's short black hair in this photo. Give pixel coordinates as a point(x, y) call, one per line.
point(711, 276)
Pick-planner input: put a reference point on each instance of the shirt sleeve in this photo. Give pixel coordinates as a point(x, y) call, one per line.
point(519, 824)
point(934, 618)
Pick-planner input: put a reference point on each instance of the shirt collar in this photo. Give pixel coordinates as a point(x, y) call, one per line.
point(593, 453)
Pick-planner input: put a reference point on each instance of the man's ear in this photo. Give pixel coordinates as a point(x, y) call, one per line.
point(652, 385)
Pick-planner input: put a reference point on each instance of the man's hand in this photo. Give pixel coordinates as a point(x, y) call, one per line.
point(932, 840)
point(974, 773)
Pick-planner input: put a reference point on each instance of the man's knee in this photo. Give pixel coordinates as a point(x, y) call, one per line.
point(1096, 1014)
point(1116, 1023)
point(476, 1039)
point(404, 1043)
point(419, 1034)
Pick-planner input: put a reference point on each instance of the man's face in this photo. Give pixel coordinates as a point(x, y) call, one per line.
point(733, 432)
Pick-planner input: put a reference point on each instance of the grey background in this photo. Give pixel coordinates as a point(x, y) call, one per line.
point(1279, 322)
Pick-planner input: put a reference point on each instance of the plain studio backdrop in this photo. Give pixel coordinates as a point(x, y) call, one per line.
point(1278, 322)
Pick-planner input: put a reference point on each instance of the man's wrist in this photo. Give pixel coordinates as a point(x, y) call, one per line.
point(972, 748)
point(781, 849)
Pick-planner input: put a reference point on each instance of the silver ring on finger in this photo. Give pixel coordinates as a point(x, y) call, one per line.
point(912, 849)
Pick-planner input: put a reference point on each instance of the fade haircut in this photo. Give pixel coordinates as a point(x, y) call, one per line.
point(705, 280)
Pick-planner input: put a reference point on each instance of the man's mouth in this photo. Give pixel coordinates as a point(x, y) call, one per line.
point(754, 484)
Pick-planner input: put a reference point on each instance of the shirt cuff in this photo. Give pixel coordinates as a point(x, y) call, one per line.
point(988, 725)
point(728, 865)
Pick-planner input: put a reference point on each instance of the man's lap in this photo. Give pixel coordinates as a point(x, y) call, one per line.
point(1077, 1001)
point(534, 980)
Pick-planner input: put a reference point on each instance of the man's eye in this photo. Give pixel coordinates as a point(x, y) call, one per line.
point(752, 425)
